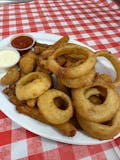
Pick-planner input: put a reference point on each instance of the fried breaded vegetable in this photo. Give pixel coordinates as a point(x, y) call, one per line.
point(71, 70)
point(28, 62)
point(32, 85)
point(114, 61)
point(10, 77)
point(39, 48)
point(100, 112)
point(54, 113)
point(102, 131)
point(10, 92)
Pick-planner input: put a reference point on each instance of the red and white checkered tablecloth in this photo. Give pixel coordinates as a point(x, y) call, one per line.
point(93, 22)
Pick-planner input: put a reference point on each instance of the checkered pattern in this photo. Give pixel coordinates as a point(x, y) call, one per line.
point(93, 22)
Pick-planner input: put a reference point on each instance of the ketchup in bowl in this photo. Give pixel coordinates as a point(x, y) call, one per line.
point(22, 42)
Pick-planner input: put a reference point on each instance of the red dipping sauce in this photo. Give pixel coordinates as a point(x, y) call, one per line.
point(22, 42)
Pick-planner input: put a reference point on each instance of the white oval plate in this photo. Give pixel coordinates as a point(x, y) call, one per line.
point(37, 127)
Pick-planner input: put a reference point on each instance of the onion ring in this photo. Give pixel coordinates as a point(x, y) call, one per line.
point(51, 111)
point(92, 112)
point(101, 131)
point(79, 82)
point(95, 95)
point(115, 62)
point(75, 71)
point(32, 85)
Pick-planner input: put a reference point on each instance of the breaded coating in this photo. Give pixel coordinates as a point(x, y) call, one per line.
point(28, 62)
point(10, 92)
point(11, 76)
point(67, 128)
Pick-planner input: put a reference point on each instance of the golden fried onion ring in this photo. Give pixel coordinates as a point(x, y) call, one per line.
point(115, 62)
point(32, 85)
point(94, 96)
point(53, 113)
point(80, 81)
point(102, 131)
point(71, 71)
point(96, 112)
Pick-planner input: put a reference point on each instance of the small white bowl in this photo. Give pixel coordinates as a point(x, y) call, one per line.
point(22, 42)
point(8, 58)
